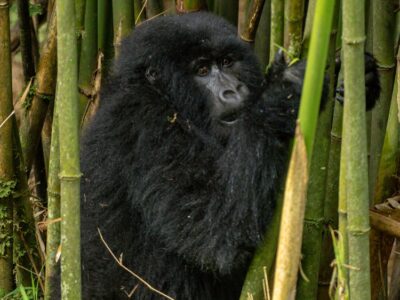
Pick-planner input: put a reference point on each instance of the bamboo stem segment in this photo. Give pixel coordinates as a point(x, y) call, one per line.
point(67, 97)
point(7, 182)
point(355, 149)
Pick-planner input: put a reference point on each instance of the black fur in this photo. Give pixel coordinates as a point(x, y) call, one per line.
point(183, 206)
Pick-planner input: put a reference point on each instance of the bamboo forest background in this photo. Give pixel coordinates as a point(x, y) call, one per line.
point(340, 207)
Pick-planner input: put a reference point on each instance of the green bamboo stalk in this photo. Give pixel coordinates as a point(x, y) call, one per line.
point(228, 9)
point(105, 32)
point(186, 6)
point(308, 27)
point(31, 114)
point(53, 210)
point(382, 15)
point(67, 94)
point(314, 214)
point(123, 13)
point(25, 28)
point(276, 40)
point(388, 165)
point(355, 149)
point(7, 180)
point(79, 21)
point(294, 15)
point(251, 18)
point(381, 37)
point(343, 277)
point(264, 257)
point(386, 185)
point(46, 136)
point(25, 247)
point(289, 247)
point(261, 45)
point(88, 55)
point(332, 189)
point(331, 201)
point(153, 8)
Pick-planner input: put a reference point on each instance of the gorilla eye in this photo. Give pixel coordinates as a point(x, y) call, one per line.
point(227, 62)
point(203, 70)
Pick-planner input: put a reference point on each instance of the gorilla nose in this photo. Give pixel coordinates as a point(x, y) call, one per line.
point(230, 96)
point(234, 96)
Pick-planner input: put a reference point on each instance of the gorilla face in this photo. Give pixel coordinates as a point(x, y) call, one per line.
point(227, 93)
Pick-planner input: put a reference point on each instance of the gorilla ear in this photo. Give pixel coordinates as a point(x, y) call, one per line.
point(151, 75)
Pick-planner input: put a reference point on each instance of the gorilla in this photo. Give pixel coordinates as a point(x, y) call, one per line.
point(183, 160)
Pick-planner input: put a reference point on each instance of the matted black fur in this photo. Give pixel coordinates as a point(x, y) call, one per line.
point(183, 206)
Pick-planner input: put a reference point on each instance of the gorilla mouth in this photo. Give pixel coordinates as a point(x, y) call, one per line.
point(229, 118)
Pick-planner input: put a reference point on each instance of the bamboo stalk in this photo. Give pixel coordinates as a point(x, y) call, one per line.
point(7, 180)
point(31, 114)
point(25, 27)
point(381, 21)
point(386, 185)
point(308, 27)
point(277, 12)
point(291, 227)
point(314, 214)
point(382, 38)
point(186, 6)
point(264, 257)
point(53, 210)
point(250, 20)
point(331, 200)
point(229, 9)
point(153, 8)
point(261, 45)
point(288, 257)
point(67, 94)
point(26, 254)
point(79, 21)
point(293, 29)
point(123, 13)
point(105, 32)
point(88, 54)
point(355, 149)
point(332, 192)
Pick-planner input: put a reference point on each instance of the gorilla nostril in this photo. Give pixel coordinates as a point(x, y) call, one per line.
point(229, 96)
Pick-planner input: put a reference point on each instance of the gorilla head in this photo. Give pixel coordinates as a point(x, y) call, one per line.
point(206, 75)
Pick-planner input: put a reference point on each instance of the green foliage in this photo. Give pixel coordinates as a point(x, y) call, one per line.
point(35, 9)
point(7, 188)
point(5, 237)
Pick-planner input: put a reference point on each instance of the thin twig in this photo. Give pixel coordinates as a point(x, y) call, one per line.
point(9, 116)
point(119, 262)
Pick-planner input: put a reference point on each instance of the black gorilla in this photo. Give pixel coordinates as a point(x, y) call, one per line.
point(182, 161)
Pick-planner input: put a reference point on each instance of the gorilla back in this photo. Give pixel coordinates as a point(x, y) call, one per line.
point(182, 161)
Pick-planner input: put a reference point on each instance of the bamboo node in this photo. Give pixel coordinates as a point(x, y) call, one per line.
point(385, 67)
point(44, 96)
point(4, 4)
point(69, 177)
point(359, 232)
point(314, 222)
point(336, 137)
point(53, 194)
point(246, 39)
point(354, 41)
